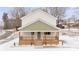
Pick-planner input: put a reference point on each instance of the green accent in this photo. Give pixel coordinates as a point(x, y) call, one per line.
point(38, 26)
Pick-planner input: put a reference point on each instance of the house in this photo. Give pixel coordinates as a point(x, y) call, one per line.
point(70, 23)
point(38, 28)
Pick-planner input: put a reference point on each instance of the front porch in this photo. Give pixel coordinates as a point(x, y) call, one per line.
point(39, 38)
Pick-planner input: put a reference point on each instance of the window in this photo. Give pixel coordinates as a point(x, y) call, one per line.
point(47, 33)
point(32, 33)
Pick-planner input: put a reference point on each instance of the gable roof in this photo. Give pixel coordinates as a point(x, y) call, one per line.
point(38, 15)
point(39, 26)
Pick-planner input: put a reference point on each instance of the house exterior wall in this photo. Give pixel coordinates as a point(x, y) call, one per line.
point(35, 15)
point(38, 22)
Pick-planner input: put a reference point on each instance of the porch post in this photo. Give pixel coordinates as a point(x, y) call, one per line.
point(19, 38)
point(31, 33)
point(19, 35)
point(45, 39)
point(58, 35)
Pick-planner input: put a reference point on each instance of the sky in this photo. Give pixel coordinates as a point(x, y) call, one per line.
point(69, 12)
point(72, 11)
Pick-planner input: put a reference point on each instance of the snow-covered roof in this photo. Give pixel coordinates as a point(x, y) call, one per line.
point(36, 16)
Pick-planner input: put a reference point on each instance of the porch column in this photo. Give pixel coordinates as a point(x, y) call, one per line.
point(19, 38)
point(19, 35)
point(32, 39)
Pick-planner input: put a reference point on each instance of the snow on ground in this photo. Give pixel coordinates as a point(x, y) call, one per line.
point(2, 32)
point(1, 25)
point(9, 44)
point(70, 43)
point(10, 47)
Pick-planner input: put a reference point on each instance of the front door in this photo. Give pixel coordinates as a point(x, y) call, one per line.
point(38, 41)
point(38, 35)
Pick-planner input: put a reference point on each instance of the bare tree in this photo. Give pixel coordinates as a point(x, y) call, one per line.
point(55, 11)
point(46, 9)
point(58, 12)
point(18, 12)
point(72, 20)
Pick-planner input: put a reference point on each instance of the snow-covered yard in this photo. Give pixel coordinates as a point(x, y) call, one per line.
point(69, 42)
point(9, 46)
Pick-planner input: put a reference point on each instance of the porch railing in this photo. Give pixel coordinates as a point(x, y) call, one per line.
point(29, 39)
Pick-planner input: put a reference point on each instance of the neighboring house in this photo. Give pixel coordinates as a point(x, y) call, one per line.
point(38, 28)
point(68, 23)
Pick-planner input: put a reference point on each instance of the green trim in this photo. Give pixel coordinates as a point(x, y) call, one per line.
point(38, 26)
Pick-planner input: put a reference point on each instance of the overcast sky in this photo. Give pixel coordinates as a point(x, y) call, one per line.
point(69, 12)
point(72, 11)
